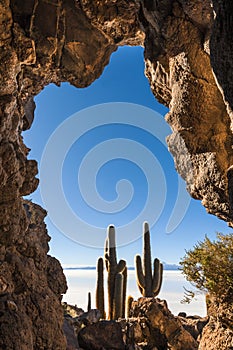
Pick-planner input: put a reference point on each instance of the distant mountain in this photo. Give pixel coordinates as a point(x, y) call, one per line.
point(171, 267)
point(79, 268)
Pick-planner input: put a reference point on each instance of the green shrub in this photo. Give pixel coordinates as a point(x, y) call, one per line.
point(209, 266)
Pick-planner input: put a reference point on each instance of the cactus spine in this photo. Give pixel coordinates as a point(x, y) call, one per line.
point(117, 277)
point(100, 287)
point(148, 285)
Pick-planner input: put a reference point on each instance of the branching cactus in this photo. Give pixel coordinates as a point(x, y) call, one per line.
point(117, 275)
point(148, 284)
point(100, 287)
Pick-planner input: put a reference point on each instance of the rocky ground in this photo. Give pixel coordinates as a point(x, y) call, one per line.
point(150, 325)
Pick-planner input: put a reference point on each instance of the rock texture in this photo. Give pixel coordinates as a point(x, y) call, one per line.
point(194, 325)
point(188, 55)
point(71, 338)
point(218, 333)
point(156, 315)
point(177, 54)
point(221, 50)
point(31, 283)
point(102, 335)
point(40, 42)
point(139, 334)
point(151, 325)
point(85, 330)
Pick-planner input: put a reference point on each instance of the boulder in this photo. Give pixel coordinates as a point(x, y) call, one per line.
point(71, 338)
point(104, 335)
point(157, 315)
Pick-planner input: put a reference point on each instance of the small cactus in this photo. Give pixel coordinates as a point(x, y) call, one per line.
point(100, 287)
point(129, 305)
point(89, 302)
point(148, 285)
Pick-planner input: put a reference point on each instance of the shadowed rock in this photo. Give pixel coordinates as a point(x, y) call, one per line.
point(102, 335)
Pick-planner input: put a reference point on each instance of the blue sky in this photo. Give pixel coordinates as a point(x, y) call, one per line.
point(122, 81)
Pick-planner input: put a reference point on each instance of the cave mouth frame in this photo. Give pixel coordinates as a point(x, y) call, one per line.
point(51, 42)
point(79, 99)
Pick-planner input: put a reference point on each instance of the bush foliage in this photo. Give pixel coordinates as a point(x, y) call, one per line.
point(209, 266)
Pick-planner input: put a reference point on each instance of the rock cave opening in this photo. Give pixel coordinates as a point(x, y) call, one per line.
point(45, 42)
point(121, 81)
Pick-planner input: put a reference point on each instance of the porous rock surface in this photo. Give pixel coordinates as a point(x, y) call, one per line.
point(218, 333)
point(188, 56)
point(31, 283)
point(156, 315)
point(150, 325)
point(102, 335)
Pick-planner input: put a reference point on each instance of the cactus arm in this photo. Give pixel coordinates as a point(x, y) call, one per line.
point(125, 275)
point(157, 277)
point(161, 279)
point(106, 255)
point(129, 306)
point(120, 266)
point(141, 290)
point(118, 294)
point(106, 245)
point(106, 259)
point(139, 272)
point(100, 287)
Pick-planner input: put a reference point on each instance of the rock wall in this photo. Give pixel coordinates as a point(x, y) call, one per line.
point(218, 333)
point(177, 55)
point(41, 42)
point(50, 41)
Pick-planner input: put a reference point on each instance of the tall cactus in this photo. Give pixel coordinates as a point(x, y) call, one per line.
point(100, 287)
point(148, 285)
point(117, 278)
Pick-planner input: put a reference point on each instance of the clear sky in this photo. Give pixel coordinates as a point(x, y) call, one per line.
point(121, 166)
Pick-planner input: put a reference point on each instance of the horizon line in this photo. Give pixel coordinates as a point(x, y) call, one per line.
point(93, 267)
